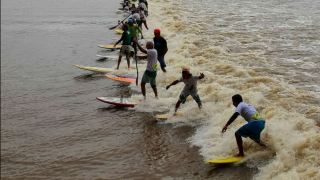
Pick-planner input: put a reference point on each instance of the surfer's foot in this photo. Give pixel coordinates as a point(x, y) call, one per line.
point(175, 112)
point(239, 155)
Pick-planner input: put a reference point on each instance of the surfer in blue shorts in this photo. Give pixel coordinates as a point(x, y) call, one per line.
point(150, 73)
point(160, 44)
point(252, 129)
point(190, 88)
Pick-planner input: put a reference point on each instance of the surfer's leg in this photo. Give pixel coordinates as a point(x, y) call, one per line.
point(258, 140)
point(153, 84)
point(177, 106)
point(145, 24)
point(143, 89)
point(240, 147)
point(140, 24)
point(154, 88)
point(162, 64)
point(119, 61)
point(128, 62)
point(196, 97)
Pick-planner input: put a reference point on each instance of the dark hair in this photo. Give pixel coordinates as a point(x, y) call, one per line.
point(237, 98)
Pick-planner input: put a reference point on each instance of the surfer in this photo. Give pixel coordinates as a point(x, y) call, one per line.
point(252, 129)
point(134, 29)
point(190, 88)
point(144, 7)
point(135, 17)
point(126, 48)
point(143, 18)
point(160, 44)
point(133, 6)
point(125, 5)
point(150, 73)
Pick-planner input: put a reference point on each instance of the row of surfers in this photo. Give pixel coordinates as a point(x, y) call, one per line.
point(155, 51)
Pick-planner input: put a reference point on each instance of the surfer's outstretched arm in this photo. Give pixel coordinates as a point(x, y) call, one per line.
point(173, 83)
point(140, 48)
point(232, 118)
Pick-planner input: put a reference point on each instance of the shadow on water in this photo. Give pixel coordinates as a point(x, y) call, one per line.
point(102, 59)
point(89, 77)
point(112, 108)
point(222, 171)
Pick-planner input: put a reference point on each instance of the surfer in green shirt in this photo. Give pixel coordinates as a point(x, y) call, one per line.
point(126, 48)
point(134, 29)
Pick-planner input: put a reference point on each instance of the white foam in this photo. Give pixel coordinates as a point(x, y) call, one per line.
point(291, 132)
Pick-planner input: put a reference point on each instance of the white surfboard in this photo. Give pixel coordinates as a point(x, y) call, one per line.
point(125, 102)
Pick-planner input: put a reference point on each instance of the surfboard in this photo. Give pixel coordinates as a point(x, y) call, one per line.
point(123, 11)
point(117, 39)
point(95, 69)
point(126, 102)
point(110, 46)
point(121, 78)
point(119, 31)
point(165, 116)
point(225, 160)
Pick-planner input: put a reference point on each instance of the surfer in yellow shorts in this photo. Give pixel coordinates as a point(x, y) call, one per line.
point(150, 73)
point(252, 129)
point(190, 88)
point(126, 48)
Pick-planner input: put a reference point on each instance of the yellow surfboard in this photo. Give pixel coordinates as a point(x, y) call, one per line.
point(119, 31)
point(110, 46)
point(165, 116)
point(95, 69)
point(225, 160)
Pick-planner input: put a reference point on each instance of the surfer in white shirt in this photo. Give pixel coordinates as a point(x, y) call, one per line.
point(150, 73)
point(252, 129)
point(190, 88)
